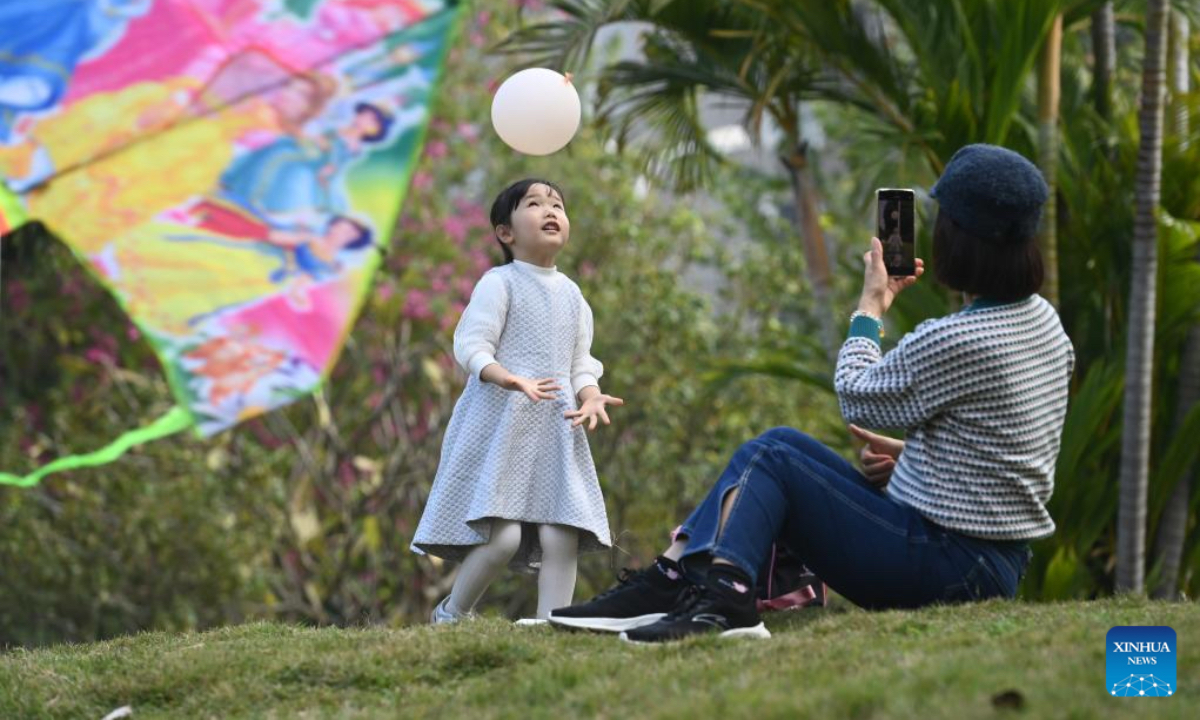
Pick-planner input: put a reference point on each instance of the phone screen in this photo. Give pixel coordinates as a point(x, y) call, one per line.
point(897, 231)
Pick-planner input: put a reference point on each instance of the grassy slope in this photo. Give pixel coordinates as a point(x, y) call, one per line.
point(837, 663)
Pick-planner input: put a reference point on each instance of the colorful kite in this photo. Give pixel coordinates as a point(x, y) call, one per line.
point(229, 169)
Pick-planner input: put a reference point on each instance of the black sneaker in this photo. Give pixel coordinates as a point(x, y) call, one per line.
point(702, 610)
point(638, 599)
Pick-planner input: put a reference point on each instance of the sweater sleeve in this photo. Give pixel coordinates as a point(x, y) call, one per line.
point(585, 369)
point(478, 332)
point(903, 388)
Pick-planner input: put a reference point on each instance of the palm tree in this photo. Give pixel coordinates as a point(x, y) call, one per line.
point(1178, 74)
point(1139, 357)
point(939, 75)
point(695, 51)
point(1105, 52)
point(1172, 528)
point(1049, 89)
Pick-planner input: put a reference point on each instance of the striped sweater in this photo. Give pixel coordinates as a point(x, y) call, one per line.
point(982, 396)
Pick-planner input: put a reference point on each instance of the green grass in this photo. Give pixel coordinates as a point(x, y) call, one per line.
point(943, 662)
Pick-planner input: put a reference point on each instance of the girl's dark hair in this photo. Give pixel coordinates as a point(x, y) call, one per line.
point(508, 200)
point(384, 119)
point(360, 241)
point(1003, 270)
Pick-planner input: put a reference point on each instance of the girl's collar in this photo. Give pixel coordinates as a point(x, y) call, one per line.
point(536, 268)
point(982, 303)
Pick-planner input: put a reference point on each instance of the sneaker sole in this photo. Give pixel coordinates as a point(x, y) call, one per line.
point(758, 632)
point(602, 624)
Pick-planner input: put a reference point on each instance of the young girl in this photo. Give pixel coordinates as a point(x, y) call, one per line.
point(516, 485)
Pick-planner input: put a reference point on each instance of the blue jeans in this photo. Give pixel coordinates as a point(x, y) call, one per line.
point(874, 551)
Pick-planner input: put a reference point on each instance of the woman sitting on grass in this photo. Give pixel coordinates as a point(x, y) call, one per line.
point(945, 515)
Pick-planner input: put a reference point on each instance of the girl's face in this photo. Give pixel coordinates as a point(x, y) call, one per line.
point(367, 124)
point(540, 227)
point(297, 98)
point(341, 233)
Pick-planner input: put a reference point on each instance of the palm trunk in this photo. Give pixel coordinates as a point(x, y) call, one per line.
point(1178, 77)
point(804, 194)
point(1104, 48)
point(1139, 358)
point(1172, 527)
point(1049, 86)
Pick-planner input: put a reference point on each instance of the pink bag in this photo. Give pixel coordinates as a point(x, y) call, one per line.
point(785, 583)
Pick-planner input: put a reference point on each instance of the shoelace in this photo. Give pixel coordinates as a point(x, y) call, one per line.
point(693, 595)
point(625, 577)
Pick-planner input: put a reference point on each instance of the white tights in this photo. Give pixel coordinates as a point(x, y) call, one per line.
point(556, 579)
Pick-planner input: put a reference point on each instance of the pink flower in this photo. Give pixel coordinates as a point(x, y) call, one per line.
point(71, 287)
point(33, 414)
point(386, 290)
point(468, 131)
point(98, 355)
point(420, 429)
point(456, 227)
point(416, 306)
point(587, 269)
point(346, 474)
point(133, 333)
point(18, 296)
point(480, 259)
point(436, 149)
point(422, 180)
point(472, 213)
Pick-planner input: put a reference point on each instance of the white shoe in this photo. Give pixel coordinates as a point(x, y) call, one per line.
point(441, 615)
point(530, 622)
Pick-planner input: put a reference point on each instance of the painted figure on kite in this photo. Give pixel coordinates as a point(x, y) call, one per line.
point(297, 175)
point(303, 249)
point(45, 41)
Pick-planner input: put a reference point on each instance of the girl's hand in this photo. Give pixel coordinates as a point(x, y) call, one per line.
point(878, 457)
point(535, 390)
point(592, 410)
point(879, 288)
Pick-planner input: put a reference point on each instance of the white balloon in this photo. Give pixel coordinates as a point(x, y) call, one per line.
point(536, 111)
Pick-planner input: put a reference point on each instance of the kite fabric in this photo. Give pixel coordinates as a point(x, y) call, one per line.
point(229, 169)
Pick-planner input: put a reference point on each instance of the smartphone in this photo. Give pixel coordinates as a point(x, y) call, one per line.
point(896, 230)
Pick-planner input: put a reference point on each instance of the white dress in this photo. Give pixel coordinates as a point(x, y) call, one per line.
point(505, 456)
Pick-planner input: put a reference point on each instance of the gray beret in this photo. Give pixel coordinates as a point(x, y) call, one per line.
point(992, 192)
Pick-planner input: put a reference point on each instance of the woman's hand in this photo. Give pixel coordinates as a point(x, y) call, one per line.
point(592, 410)
point(878, 457)
point(879, 288)
point(535, 390)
